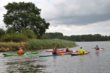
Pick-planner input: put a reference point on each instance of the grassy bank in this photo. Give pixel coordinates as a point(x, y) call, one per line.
point(11, 46)
point(36, 44)
point(49, 43)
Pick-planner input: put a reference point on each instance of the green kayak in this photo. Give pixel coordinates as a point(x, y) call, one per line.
point(26, 53)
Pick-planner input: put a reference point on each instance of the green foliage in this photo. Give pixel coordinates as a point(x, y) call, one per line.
point(29, 33)
point(89, 37)
point(55, 35)
point(15, 37)
point(2, 32)
point(11, 46)
point(95, 37)
point(10, 30)
point(49, 43)
point(25, 15)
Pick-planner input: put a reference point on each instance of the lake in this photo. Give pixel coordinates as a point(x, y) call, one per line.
point(90, 63)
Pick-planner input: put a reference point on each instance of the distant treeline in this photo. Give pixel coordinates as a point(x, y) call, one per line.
point(89, 37)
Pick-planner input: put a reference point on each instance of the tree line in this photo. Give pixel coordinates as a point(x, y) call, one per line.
point(88, 37)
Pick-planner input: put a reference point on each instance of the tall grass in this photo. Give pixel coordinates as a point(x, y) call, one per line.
point(49, 43)
point(11, 46)
point(36, 44)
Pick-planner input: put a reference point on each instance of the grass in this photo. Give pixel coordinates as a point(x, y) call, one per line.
point(49, 43)
point(36, 44)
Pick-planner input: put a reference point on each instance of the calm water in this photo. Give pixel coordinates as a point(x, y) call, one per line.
point(91, 63)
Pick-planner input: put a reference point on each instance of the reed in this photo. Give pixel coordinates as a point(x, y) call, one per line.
point(36, 44)
point(49, 43)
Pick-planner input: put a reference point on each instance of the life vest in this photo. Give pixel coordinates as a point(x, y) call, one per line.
point(54, 52)
point(97, 49)
point(20, 52)
point(67, 50)
point(81, 51)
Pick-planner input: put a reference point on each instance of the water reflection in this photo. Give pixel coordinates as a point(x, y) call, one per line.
point(81, 58)
point(97, 53)
point(25, 67)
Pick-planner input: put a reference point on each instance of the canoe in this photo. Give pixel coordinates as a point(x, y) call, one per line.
point(14, 54)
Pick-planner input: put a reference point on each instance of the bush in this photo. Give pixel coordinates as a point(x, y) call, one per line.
point(49, 43)
point(2, 32)
point(11, 46)
point(29, 33)
point(15, 37)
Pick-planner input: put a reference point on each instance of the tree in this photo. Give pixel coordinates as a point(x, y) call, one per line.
point(2, 32)
point(54, 35)
point(25, 15)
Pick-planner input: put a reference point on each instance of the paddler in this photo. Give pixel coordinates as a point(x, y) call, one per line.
point(81, 51)
point(67, 50)
point(97, 48)
point(54, 51)
point(20, 51)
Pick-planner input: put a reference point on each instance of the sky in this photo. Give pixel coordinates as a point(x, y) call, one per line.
point(71, 17)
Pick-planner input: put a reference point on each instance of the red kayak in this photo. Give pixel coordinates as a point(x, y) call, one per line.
point(60, 51)
point(57, 50)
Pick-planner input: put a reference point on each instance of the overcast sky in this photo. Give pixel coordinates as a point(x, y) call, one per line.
point(71, 17)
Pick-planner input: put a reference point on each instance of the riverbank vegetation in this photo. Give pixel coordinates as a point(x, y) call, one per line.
point(49, 43)
point(36, 44)
point(26, 28)
point(88, 37)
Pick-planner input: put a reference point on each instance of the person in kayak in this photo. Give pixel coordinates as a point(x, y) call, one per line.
point(81, 51)
point(54, 51)
point(67, 50)
point(97, 48)
point(20, 51)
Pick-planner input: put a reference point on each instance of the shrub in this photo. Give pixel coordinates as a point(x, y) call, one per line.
point(29, 33)
point(49, 43)
point(15, 37)
point(2, 32)
point(11, 46)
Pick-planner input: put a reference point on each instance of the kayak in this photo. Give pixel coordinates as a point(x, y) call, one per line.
point(14, 54)
point(75, 54)
point(49, 55)
point(59, 51)
point(72, 54)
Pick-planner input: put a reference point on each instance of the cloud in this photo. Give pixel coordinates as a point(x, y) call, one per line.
point(81, 20)
point(71, 12)
point(94, 28)
point(79, 12)
point(71, 16)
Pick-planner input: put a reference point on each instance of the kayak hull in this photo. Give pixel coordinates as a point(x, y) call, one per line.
point(27, 53)
point(52, 55)
point(74, 54)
